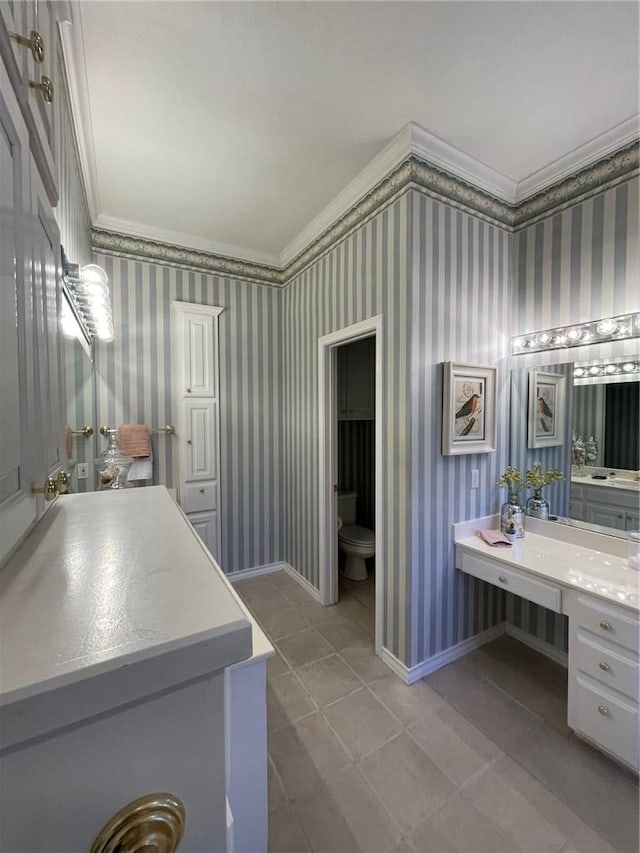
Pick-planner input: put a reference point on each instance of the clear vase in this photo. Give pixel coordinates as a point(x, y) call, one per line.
point(512, 518)
point(538, 506)
point(113, 465)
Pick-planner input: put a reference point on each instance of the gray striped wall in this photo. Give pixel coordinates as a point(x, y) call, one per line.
point(356, 466)
point(581, 264)
point(588, 415)
point(133, 385)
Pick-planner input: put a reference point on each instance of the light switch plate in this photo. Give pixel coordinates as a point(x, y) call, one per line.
point(475, 478)
point(82, 469)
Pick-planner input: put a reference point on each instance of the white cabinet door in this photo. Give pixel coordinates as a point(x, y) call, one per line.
point(45, 251)
point(607, 516)
point(200, 440)
point(18, 415)
point(199, 364)
point(206, 526)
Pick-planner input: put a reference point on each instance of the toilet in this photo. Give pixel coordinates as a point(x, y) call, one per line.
point(357, 543)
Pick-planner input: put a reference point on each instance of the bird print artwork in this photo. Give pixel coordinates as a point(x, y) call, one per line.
point(468, 413)
point(545, 415)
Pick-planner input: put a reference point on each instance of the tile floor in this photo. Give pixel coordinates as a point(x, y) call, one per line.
point(476, 757)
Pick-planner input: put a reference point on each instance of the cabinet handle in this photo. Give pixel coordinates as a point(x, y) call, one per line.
point(603, 666)
point(188, 390)
point(188, 441)
point(153, 823)
point(49, 490)
point(46, 87)
point(34, 43)
point(603, 710)
point(202, 491)
point(502, 579)
point(605, 626)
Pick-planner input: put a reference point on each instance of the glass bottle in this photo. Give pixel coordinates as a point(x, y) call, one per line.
point(538, 506)
point(591, 450)
point(113, 465)
point(578, 454)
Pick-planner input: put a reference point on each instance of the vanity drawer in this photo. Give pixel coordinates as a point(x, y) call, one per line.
point(609, 722)
point(199, 497)
point(518, 583)
point(601, 662)
point(606, 621)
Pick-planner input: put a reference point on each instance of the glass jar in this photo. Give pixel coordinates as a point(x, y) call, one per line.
point(512, 518)
point(538, 506)
point(578, 455)
point(591, 450)
point(113, 465)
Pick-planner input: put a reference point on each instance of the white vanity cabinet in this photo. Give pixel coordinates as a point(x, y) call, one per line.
point(194, 340)
point(585, 576)
point(603, 675)
point(608, 505)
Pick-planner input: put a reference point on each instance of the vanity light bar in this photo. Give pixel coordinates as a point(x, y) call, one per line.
point(624, 368)
point(579, 334)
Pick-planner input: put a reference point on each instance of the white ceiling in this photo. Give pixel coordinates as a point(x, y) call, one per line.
point(230, 126)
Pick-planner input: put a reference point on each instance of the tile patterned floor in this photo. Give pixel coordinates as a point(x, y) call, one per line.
point(476, 757)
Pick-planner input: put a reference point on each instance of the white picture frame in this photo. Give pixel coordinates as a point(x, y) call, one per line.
point(468, 409)
point(547, 410)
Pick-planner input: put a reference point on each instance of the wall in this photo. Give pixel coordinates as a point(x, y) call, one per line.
point(459, 309)
point(580, 264)
point(440, 279)
point(588, 415)
point(364, 275)
point(133, 385)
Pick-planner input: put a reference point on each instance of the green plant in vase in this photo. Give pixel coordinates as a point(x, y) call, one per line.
point(537, 479)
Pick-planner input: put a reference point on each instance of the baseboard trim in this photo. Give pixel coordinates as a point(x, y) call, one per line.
point(537, 644)
point(304, 583)
point(414, 673)
point(244, 574)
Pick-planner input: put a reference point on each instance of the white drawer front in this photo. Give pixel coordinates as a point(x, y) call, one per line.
point(606, 621)
point(199, 497)
point(533, 589)
point(610, 722)
point(601, 662)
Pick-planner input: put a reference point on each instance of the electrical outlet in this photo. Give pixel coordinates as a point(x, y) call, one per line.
point(475, 478)
point(82, 469)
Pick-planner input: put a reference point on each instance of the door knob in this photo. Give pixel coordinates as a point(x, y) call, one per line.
point(188, 441)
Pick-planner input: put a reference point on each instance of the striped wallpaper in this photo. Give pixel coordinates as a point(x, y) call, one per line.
point(356, 466)
point(580, 264)
point(133, 385)
point(588, 415)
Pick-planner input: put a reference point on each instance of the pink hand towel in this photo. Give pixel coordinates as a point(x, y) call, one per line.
point(134, 440)
point(495, 538)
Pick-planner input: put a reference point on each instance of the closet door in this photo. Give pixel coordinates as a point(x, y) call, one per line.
point(194, 341)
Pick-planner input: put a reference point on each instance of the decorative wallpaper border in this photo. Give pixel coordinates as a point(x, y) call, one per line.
point(611, 170)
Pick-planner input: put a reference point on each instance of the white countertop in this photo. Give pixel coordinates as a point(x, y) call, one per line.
point(108, 580)
point(594, 571)
point(614, 483)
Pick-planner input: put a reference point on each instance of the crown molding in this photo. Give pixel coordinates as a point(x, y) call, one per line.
point(412, 140)
point(188, 241)
point(140, 248)
point(600, 147)
point(73, 55)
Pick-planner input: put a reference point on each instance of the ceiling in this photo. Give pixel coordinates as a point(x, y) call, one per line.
point(231, 126)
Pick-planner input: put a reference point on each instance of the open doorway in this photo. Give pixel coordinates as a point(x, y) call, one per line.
point(360, 568)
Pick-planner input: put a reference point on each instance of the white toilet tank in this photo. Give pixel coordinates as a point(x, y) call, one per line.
point(347, 507)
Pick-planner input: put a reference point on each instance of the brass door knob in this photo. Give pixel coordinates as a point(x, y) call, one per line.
point(603, 710)
point(49, 490)
point(605, 626)
point(153, 824)
point(45, 86)
point(34, 43)
point(603, 666)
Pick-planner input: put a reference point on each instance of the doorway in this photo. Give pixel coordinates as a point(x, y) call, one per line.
point(328, 460)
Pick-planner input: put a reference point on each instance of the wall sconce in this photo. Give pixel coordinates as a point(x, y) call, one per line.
point(578, 334)
point(87, 291)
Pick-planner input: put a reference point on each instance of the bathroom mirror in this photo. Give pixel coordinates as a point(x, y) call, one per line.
point(602, 407)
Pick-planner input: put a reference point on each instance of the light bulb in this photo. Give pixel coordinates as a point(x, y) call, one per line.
point(93, 274)
point(579, 371)
point(544, 338)
point(607, 327)
point(575, 334)
point(628, 367)
point(595, 370)
point(611, 368)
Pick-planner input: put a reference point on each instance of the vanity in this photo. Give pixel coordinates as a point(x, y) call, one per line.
point(583, 575)
point(611, 502)
point(129, 666)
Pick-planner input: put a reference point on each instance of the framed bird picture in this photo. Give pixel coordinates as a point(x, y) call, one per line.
point(468, 409)
point(546, 409)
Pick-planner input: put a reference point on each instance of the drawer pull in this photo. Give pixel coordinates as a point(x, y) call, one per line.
point(603, 710)
point(502, 579)
point(605, 626)
point(202, 493)
point(45, 86)
point(603, 666)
